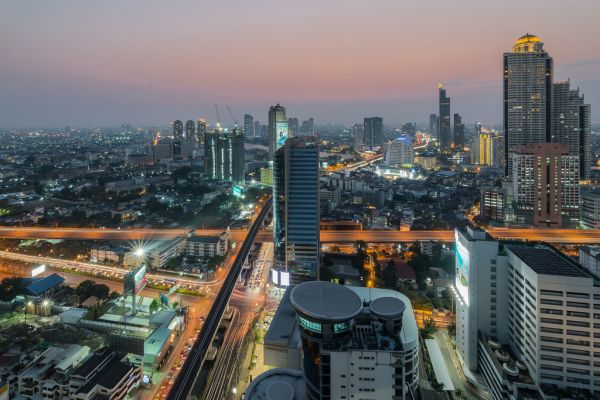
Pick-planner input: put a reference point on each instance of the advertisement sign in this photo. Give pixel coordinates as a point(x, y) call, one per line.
point(238, 191)
point(135, 280)
point(462, 270)
point(38, 270)
point(281, 133)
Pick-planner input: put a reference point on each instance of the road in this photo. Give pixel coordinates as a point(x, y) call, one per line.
point(569, 236)
point(114, 272)
point(194, 362)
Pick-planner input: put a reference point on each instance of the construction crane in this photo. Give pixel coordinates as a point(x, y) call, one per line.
point(235, 121)
point(218, 117)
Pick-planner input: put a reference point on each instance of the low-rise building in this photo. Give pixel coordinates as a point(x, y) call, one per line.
point(207, 246)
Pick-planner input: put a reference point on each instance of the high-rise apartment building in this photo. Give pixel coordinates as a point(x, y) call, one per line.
point(492, 204)
point(459, 132)
point(177, 129)
point(482, 146)
point(433, 125)
point(358, 131)
point(200, 130)
point(190, 130)
point(293, 127)
point(497, 156)
point(224, 155)
point(249, 128)
point(590, 208)
point(399, 152)
point(177, 138)
point(308, 127)
point(278, 129)
point(546, 182)
point(409, 129)
point(571, 124)
point(373, 132)
point(525, 317)
point(528, 76)
point(444, 133)
point(296, 211)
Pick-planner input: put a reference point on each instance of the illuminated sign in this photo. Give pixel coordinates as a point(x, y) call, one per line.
point(281, 133)
point(135, 280)
point(238, 191)
point(285, 279)
point(462, 270)
point(275, 276)
point(38, 270)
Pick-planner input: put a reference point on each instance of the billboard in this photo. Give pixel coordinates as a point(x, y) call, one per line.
point(281, 133)
point(38, 270)
point(462, 270)
point(135, 280)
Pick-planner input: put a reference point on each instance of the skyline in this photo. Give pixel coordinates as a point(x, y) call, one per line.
point(107, 64)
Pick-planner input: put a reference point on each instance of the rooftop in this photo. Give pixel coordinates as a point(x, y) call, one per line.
point(546, 261)
point(277, 384)
point(326, 301)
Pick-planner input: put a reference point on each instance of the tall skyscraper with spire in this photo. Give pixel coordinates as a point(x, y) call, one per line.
point(444, 133)
point(528, 76)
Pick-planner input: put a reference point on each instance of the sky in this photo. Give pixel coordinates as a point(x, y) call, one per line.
point(101, 63)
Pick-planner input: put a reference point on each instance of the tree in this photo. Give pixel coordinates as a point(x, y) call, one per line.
point(154, 305)
point(11, 287)
point(452, 330)
point(180, 173)
point(89, 288)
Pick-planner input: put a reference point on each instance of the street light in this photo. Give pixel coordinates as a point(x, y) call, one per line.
point(139, 252)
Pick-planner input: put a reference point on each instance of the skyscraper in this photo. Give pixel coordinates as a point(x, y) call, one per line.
point(296, 211)
point(238, 158)
point(482, 146)
point(293, 127)
point(459, 132)
point(224, 155)
point(278, 128)
point(200, 130)
point(528, 75)
point(249, 130)
point(358, 130)
point(308, 127)
point(373, 131)
point(433, 125)
point(190, 130)
point(177, 129)
point(571, 124)
point(444, 133)
point(410, 129)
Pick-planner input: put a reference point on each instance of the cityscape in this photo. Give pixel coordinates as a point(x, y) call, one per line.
point(228, 201)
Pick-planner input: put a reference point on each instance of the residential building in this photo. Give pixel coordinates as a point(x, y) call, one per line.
point(249, 128)
point(528, 77)
point(459, 132)
point(409, 129)
point(308, 127)
point(492, 205)
point(224, 155)
point(373, 132)
point(358, 131)
point(190, 130)
point(433, 125)
point(207, 246)
point(159, 255)
point(296, 211)
point(589, 257)
point(546, 182)
point(571, 124)
point(293, 128)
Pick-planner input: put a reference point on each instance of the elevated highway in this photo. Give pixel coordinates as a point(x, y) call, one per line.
point(569, 236)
